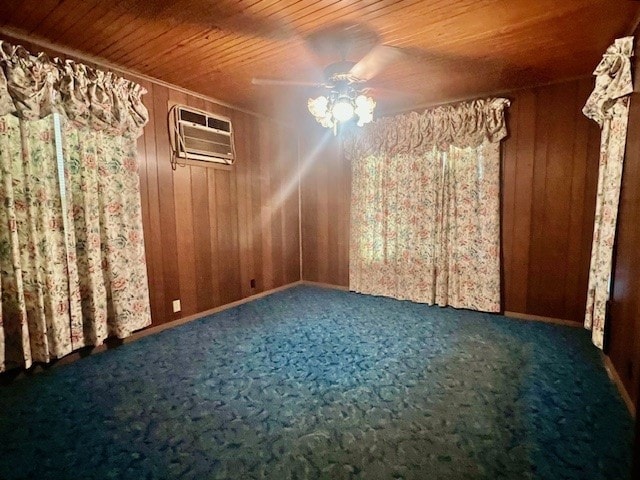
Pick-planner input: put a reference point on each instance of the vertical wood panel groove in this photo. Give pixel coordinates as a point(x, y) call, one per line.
point(166, 206)
point(265, 219)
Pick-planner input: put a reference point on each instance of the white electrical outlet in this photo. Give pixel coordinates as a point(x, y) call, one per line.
point(176, 306)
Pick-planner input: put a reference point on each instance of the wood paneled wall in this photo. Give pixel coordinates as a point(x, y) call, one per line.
point(549, 180)
point(210, 231)
point(326, 194)
point(550, 166)
point(623, 324)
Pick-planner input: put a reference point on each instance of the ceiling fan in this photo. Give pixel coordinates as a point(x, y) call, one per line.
point(346, 87)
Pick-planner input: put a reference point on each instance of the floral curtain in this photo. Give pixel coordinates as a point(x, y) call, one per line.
point(105, 213)
point(425, 206)
point(72, 266)
point(33, 271)
point(608, 105)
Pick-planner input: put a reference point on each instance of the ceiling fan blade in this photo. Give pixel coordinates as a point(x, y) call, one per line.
point(342, 41)
point(279, 82)
point(380, 57)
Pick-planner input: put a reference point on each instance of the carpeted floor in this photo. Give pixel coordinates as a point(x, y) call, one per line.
point(313, 383)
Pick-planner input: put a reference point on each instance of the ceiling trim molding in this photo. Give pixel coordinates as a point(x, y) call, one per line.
point(19, 35)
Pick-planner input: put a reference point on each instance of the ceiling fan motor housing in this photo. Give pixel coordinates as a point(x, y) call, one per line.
point(338, 72)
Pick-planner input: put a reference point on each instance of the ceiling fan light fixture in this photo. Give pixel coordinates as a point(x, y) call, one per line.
point(340, 107)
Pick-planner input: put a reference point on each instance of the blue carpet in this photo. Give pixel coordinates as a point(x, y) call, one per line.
point(313, 383)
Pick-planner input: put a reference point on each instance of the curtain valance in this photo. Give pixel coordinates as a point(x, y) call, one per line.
point(613, 81)
point(467, 124)
point(34, 86)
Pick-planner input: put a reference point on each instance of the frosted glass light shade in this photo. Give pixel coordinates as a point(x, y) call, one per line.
point(340, 107)
point(364, 109)
point(318, 106)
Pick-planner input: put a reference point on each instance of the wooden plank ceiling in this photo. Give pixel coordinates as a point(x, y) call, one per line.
point(453, 49)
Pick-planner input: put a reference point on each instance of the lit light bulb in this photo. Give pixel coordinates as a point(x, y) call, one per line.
point(329, 111)
point(342, 110)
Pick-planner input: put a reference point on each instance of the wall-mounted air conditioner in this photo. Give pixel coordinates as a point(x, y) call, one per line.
point(198, 135)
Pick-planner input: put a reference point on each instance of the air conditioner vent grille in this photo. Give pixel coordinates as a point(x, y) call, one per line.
point(193, 117)
point(199, 135)
point(219, 124)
